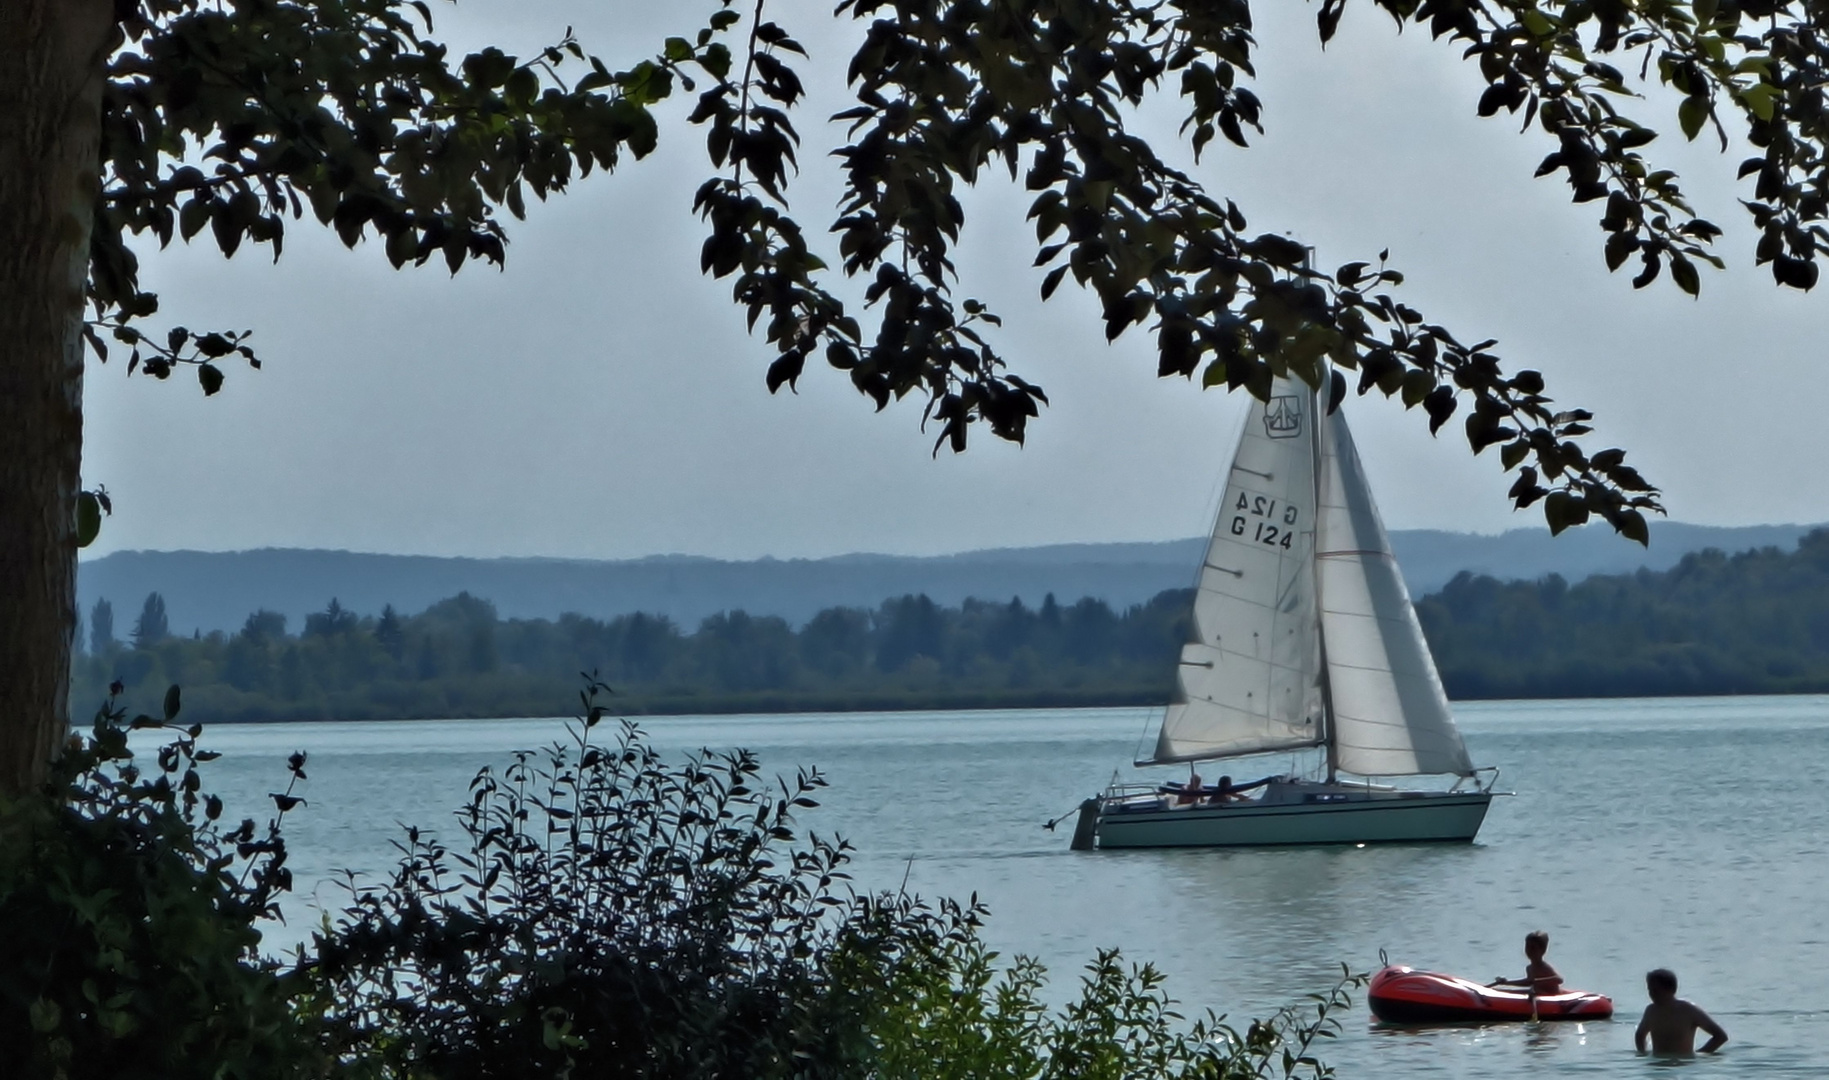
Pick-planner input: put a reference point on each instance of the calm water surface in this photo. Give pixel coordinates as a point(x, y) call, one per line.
point(1684, 833)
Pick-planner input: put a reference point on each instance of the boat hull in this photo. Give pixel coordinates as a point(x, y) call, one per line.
point(1321, 818)
point(1402, 995)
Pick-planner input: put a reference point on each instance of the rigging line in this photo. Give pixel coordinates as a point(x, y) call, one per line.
point(1379, 620)
point(1282, 597)
point(1143, 736)
point(1373, 667)
point(1051, 823)
point(1269, 663)
point(1386, 725)
point(1246, 600)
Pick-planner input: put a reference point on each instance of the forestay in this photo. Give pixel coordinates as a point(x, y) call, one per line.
point(1391, 716)
point(1250, 682)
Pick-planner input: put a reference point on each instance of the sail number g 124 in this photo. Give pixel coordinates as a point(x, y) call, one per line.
point(1275, 524)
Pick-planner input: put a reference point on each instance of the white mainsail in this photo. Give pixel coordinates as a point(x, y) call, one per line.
point(1390, 714)
point(1250, 682)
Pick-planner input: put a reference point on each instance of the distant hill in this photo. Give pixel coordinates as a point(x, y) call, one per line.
point(217, 590)
point(1431, 557)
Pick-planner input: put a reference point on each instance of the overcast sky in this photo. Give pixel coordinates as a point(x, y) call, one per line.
point(600, 399)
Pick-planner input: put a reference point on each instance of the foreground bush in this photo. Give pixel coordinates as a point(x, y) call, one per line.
point(129, 922)
point(951, 1014)
point(606, 914)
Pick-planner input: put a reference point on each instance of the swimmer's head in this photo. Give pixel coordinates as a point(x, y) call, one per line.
point(1661, 984)
point(1536, 943)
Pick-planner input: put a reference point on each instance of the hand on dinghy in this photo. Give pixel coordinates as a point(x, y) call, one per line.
point(1404, 995)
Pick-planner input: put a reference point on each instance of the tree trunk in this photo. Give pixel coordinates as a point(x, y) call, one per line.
point(52, 57)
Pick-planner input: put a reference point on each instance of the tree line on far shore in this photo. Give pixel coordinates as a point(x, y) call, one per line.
point(458, 658)
point(1756, 622)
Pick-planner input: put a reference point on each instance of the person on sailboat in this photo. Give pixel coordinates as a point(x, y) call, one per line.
point(1191, 793)
point(1539, 976)
point(1226, 793)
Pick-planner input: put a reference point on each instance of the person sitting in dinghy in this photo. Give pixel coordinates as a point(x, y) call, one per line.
point(1539, 976)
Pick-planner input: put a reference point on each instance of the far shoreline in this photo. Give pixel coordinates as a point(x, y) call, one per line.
point(891, 705)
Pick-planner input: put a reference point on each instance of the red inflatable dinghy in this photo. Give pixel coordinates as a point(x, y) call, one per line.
point(1402, 995)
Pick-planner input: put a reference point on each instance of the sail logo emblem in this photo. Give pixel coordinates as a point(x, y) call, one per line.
point(1283, 417)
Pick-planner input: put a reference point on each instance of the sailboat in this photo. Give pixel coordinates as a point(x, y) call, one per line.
point(1305, 642)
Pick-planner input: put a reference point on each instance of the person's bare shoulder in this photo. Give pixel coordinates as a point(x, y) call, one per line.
point(1699, 1017)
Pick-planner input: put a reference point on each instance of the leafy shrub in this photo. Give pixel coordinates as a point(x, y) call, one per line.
point(131, 945)
point(949, 1013)
point(607, 915)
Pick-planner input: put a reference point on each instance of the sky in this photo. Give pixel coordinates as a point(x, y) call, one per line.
point(600, 399)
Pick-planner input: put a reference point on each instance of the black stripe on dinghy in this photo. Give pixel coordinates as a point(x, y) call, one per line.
point(1414, 1012)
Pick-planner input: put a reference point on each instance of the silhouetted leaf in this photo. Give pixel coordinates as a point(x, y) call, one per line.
point(88, 518)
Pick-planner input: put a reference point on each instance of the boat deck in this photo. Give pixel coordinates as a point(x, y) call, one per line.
point(1293, 813)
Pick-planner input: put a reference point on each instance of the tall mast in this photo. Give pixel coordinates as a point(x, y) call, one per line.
point(1327, 717)
point(1327, 683)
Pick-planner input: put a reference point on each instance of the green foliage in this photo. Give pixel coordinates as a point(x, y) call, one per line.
point(458, 658)
point(240, 118)
point(131, 947)
point(1713, 624)
point(152, 626)
point(90, 506)
point(101, 627)
point(608, 915)
point(605, 914)
point(948, 91)
point(949, 1013)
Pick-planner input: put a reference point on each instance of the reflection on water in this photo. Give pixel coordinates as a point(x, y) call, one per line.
point(1529, 1038)
point(1688, 834)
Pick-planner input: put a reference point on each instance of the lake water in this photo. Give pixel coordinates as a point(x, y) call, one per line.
point(1685, 833)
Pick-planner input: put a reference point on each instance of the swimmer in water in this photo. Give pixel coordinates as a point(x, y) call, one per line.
point(1539, 976)
point(1670, 1023)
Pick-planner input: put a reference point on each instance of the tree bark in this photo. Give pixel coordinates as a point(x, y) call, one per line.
point(52, 65)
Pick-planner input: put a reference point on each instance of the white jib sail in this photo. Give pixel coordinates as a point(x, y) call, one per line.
point(1251, 680)
point(1391, 716)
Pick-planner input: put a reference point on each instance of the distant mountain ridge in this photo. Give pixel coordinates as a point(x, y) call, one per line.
point(217, 590)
